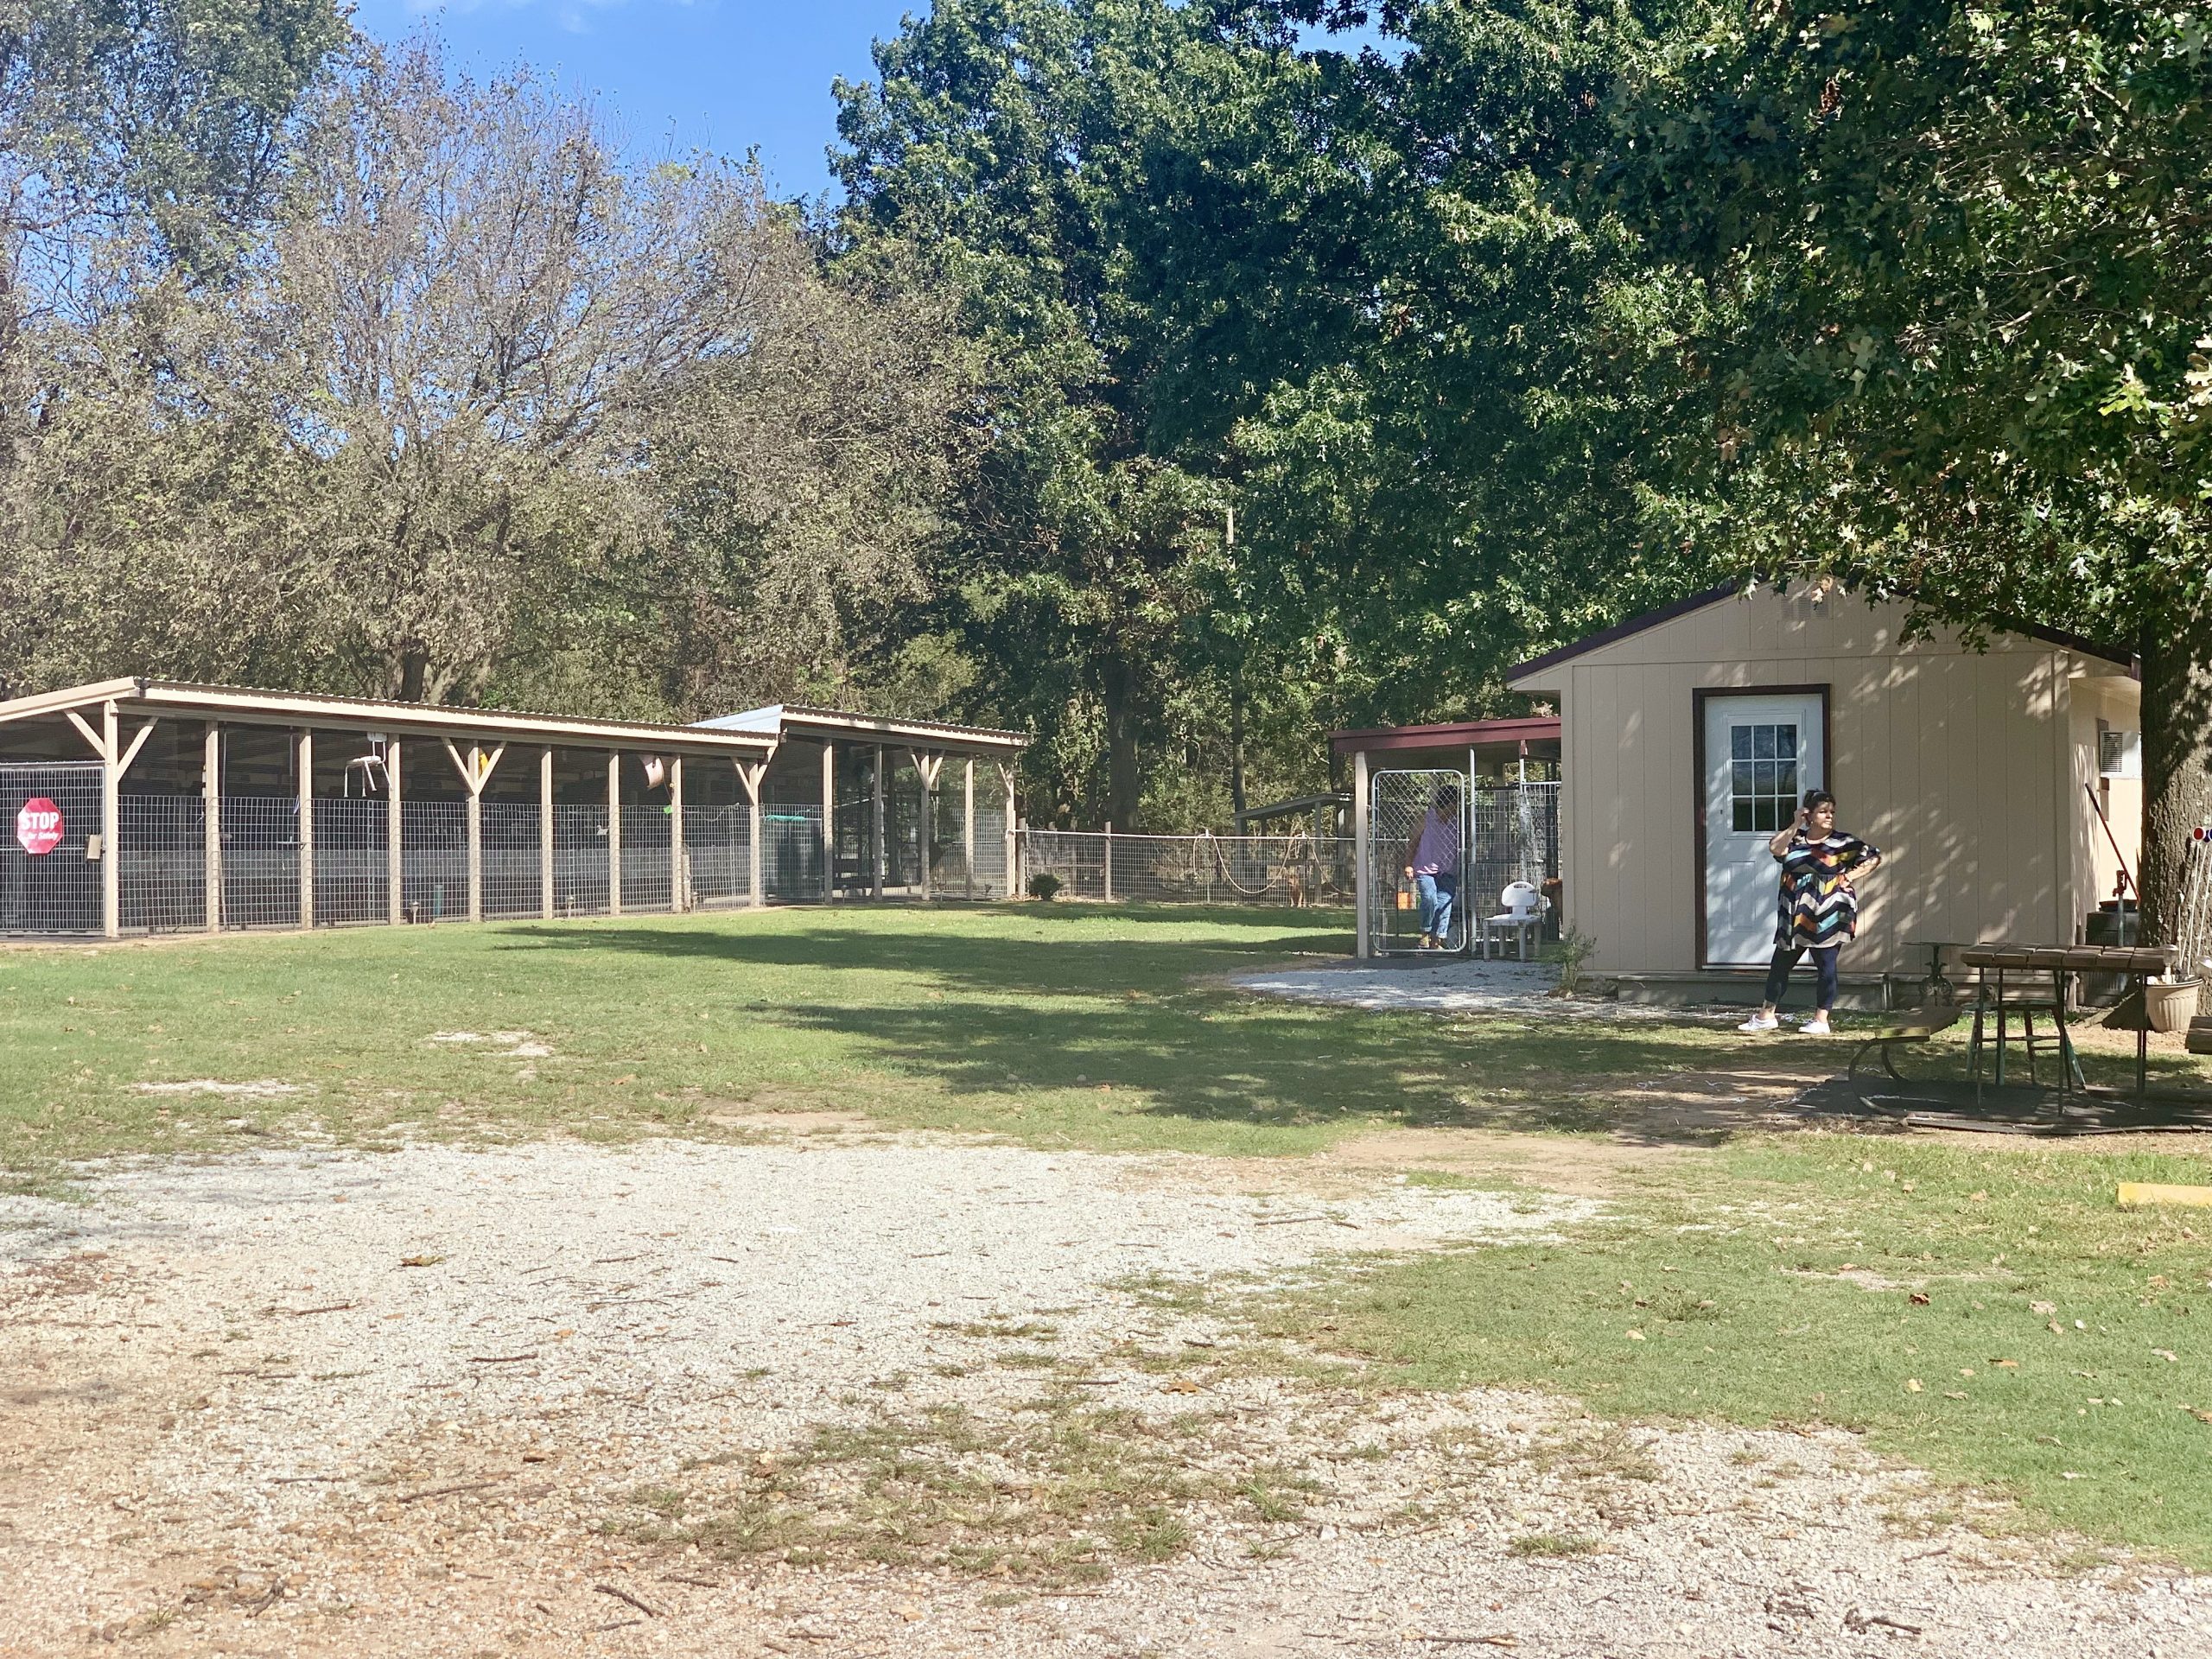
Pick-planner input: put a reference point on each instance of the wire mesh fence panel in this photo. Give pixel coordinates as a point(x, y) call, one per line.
point(353, 866)
point(261, 861)
point(1417, 817)
point(47, 883)
point(163, 881)
point(512, 872)
point(1514, 837)
point(433, 860)
point(718, 850)
point(646, 872)
point(1292, 870)
point(2194, 933)
point(1075, 859)
point(791, 851)
point(579, 886)
point(988, 871)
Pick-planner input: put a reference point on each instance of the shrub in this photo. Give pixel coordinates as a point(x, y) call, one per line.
point(1044, 885)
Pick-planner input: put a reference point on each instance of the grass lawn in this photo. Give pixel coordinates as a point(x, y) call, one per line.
point(1754, 1279)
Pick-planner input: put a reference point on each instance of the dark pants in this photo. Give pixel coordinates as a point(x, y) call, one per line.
point(1785, 958)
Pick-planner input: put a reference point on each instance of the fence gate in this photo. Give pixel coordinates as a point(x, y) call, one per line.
point(1398, 802)
point(49, 809)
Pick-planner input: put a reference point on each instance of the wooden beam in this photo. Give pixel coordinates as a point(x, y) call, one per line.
point(679, 875)
point(1362, 857)
point(929, 765)
point(475, 847)
point(1012, 832)
point(303, 752)
point(968, 827)
point(91, 736)
point(395, 838)
point(137, 743)
point(211, 789)
point(545, 835)
point(614, 832)
point(110, 825)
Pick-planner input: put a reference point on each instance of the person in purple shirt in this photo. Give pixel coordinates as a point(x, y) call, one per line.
point(1433, 864)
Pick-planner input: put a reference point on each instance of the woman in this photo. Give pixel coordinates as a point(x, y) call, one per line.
point(1819, 908)
point(1432, 865)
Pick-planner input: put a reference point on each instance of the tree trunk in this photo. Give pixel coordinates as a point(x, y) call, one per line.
point(2176, 655)
point(1237, 741)
point(1118, 689)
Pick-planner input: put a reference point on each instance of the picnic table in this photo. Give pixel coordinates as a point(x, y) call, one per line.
point(2032, 967)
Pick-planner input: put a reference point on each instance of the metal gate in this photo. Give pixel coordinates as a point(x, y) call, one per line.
point(1399, 803)
point(55, 889)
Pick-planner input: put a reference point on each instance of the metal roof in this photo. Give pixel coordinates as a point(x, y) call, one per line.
point(805, 721)
point(753, 733)
point(1505, 736)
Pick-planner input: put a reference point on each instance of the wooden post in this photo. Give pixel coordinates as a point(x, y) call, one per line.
point(475, 837)
point(614, 833)
point(928, 767)
point(1361, 860)
point(968, 828)
point(749, 775)
point(876, 853)
point(679, 878)
point(210, 785)
point(1012, 831)
point(110, 825)
point(304, 747)
point(829, 821)
point(395, 838)
point(1109, 861)
point(545, 835)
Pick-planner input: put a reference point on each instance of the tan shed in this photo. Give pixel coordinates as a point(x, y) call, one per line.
point(1687, 735)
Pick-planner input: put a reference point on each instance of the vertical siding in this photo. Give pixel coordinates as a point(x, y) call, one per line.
point(1959, 765)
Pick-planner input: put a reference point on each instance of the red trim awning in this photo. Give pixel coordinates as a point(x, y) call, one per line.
point(1496, 737)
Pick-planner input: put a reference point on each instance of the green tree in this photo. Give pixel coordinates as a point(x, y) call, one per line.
point(1959, 256)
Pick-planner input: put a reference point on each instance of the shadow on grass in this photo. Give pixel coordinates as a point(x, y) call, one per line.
point(1054, 1002)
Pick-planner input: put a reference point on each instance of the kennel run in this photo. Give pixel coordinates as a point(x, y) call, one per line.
point(1498, 778)
point(141, 805)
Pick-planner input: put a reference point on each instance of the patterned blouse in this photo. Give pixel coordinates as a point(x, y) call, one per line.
point(1818, 906)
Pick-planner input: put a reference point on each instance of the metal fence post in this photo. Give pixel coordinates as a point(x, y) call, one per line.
point(211, 773)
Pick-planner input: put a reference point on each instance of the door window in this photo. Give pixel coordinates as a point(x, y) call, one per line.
point(1763, 776)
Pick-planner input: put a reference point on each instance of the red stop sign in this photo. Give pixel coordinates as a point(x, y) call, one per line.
point(38, 826)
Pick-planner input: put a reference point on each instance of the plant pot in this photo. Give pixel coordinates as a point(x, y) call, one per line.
point(2171, 1008)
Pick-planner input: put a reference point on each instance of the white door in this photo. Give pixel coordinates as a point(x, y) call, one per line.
point(1762, 753)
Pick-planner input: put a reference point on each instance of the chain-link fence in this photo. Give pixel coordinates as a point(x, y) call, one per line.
point(1292, 869)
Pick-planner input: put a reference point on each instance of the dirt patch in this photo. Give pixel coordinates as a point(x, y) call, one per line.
point(798, 1121)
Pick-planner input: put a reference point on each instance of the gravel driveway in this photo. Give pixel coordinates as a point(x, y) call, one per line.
point(294, 1403)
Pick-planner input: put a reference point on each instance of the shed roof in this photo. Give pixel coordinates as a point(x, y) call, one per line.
point(1636, 625)
point(800, 720)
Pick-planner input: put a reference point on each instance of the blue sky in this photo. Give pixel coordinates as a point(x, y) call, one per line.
point(721, 75)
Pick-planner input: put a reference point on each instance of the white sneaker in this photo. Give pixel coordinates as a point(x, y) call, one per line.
point(1815, 1026)
point(1760, 1022)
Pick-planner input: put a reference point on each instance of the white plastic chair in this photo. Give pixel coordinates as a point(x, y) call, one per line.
point(1523, 915)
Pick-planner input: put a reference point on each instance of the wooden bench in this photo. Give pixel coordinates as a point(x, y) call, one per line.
point(1881, 1041)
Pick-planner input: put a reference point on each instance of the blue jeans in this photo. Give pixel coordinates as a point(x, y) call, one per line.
point(1435, 894)
point(1785, 958)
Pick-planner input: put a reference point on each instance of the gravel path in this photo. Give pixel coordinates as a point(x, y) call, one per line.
point(1457, 985)
point(294, 1403)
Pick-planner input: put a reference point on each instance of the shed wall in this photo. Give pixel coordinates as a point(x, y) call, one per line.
point(1961, 765)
